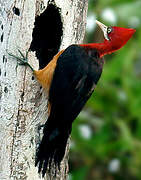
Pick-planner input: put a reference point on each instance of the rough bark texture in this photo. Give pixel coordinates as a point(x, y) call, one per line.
point(23, 104)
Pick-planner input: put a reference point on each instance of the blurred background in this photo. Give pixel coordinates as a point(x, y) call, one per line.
point(106, 137)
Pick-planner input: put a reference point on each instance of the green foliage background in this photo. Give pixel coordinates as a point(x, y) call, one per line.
point(113, 114)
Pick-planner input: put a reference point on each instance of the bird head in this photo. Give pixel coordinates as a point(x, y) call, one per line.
point(114, 38)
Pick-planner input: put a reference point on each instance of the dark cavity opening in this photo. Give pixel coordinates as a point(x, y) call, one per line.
point(16, 11)
point(47, 33)
point(2, 37)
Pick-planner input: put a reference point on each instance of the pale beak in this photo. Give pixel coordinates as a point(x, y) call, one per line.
point(104, 29)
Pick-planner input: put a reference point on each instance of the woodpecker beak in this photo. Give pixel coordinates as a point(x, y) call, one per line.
point(104, 29)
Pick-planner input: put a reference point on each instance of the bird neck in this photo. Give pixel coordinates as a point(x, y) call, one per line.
point(102, 48)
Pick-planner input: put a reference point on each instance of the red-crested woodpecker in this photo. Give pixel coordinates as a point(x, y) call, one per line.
point(69, 80)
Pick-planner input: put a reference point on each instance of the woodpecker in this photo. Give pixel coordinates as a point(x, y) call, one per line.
point(69, 80)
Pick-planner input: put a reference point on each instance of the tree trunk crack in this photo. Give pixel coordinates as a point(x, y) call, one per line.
point(13, 142)
point(13, 148)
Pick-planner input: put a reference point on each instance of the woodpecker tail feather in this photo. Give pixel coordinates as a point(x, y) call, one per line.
point(52, 147)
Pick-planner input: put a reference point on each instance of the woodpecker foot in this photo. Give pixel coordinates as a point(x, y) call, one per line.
point(23, 60)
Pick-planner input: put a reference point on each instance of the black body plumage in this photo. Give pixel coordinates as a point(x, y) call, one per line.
point(75, 77)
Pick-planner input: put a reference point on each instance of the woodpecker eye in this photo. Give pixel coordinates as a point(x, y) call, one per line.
point(109, 30)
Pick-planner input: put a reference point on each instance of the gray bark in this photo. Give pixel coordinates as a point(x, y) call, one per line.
point(23, 105)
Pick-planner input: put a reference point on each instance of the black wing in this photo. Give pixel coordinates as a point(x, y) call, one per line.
point(74, 79)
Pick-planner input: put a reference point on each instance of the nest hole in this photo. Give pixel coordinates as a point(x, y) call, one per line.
point(47, 33)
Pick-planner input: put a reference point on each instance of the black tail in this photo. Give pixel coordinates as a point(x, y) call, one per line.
point(52, 147)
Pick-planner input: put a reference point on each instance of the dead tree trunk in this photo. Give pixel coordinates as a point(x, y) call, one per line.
point(23, 104)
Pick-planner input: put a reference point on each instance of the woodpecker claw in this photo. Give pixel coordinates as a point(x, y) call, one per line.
point(27, 55)
point(23, 60)
point(21, 53)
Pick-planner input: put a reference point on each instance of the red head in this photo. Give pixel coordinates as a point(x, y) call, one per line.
point(114, 39)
